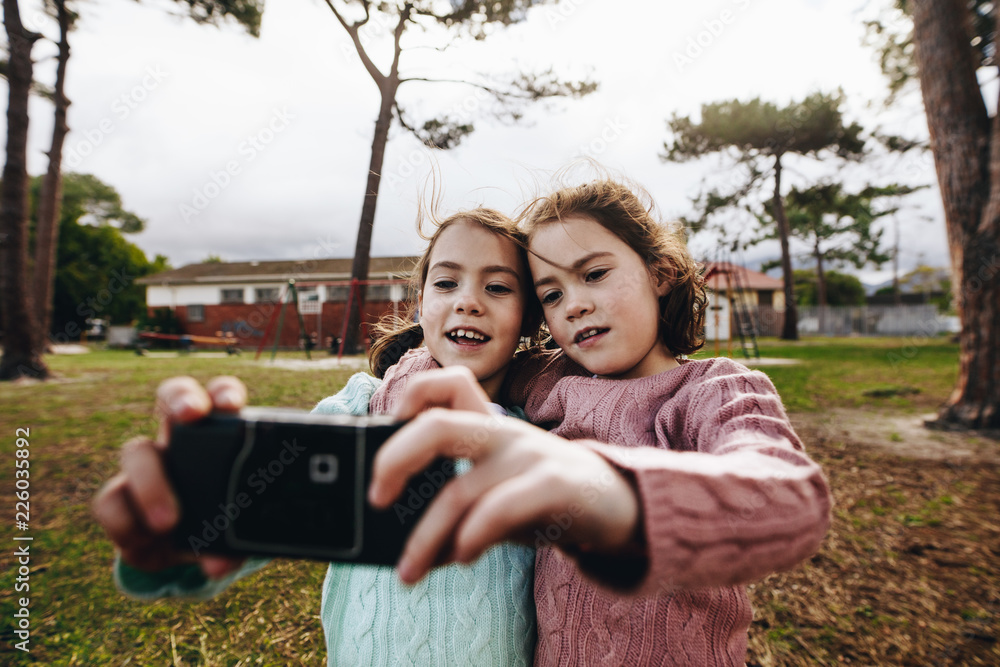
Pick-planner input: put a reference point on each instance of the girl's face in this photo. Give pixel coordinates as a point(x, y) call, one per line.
point(601, 302)
point(472, 302)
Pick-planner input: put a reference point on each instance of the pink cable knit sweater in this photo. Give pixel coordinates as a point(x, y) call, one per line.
point(727, 495)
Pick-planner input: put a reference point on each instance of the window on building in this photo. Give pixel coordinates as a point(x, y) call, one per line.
point(766, 297)
point(266, 295)
point(196, 313)
point(378, 293)
point(232, 295)
point(337, 293)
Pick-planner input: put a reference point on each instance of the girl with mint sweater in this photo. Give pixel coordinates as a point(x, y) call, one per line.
point(474, 304)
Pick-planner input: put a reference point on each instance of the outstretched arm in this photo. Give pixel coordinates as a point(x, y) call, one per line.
point(743, 501)
point(521, 477)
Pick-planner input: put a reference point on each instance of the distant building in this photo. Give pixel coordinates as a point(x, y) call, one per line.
point(241, 297)
point(764, 295)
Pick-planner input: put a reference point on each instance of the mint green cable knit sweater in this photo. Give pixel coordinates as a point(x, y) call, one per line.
point(480, 614)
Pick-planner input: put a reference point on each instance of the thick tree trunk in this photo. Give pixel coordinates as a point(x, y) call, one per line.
point(47, 229)
point(362, 248)
point(21, 351)
point(790, 329)
point(967, 159)
point(387, 85)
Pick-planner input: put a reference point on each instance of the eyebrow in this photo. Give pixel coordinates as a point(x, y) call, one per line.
point(493, 268)
point(575, 266)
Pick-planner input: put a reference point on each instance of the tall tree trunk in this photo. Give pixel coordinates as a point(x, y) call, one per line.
point(47, 229)
point(790, 329)
point(967, 159)
point(387, 85)
point(21, 340)
point(362, 248)
point(820, 289)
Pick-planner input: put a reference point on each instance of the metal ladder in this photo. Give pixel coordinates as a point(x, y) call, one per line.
point(746, 327)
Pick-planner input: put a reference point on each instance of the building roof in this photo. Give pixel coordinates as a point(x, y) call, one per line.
point(302, 270)
point(716, 278)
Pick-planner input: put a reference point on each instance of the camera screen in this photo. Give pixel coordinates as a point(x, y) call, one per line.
point(302, 487)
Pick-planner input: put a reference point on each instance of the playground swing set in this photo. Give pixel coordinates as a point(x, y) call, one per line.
point(291, 295)
point(276, 322)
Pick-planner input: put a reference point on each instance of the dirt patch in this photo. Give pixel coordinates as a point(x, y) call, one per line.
point(899, 434)
point(907, 574)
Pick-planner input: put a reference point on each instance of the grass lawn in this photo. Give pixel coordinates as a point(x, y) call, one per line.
point(907, 575)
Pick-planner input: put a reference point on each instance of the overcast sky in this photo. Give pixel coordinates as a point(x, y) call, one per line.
point(258, 148)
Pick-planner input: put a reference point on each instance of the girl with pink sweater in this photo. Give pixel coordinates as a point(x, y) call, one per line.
point(663, 485)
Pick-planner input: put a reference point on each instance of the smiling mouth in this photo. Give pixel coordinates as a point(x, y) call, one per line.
point(589, 333)
point(467, 336)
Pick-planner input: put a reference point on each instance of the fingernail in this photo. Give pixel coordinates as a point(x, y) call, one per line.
point(406, 570)
point(229, 398)
point(180, 404)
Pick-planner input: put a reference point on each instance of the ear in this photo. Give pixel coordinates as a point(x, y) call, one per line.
point(661, 277)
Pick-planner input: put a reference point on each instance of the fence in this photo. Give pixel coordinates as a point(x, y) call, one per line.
point(906, 320)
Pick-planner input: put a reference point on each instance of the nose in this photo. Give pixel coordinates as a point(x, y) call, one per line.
point(467, 301)
point(577, 304)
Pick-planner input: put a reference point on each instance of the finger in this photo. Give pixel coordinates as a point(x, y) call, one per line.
point(147, 485)
point(117, 516)
point(510, 510)
point(217, 567)
point(453, 387)
point(180, 400)
point(228, 393)
point(438, 432)
point(430, 543)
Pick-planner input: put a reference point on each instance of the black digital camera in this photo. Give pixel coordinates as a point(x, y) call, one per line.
point(291, 484)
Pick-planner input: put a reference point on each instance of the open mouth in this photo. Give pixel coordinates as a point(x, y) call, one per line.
point(589, 333)
point(467, 336)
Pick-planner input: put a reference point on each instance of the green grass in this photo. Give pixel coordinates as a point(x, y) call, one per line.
point(896, 373)
point(101, 399)
point(77, 424)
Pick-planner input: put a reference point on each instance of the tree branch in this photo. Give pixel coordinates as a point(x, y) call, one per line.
point(493, 91)
point(352, 30)
point(397, 34)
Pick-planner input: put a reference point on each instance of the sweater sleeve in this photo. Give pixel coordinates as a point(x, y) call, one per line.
point(188, 581)
point(394, 382)
point(743, 502)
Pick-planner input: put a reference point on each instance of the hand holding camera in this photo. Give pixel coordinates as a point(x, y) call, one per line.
point(221, 482)
point(137, 507)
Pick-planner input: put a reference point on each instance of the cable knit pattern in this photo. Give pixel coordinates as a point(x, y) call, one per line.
point(480, 614)
point(727, 496)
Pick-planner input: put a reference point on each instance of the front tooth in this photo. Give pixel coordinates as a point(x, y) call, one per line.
point(460, 333)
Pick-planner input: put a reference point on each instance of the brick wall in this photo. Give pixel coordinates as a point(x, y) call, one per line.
point(248, 322)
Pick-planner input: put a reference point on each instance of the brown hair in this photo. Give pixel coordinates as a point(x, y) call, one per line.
point(395, 335)
point(629, 216)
